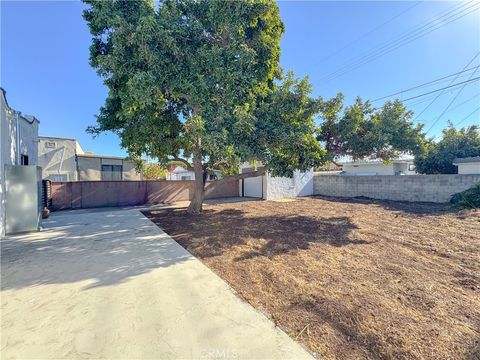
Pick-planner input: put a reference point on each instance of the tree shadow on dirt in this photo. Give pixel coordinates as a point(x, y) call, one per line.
point(214, 232)
point(411, 208)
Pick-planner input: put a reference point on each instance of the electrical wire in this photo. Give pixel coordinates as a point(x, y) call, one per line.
point(466, 117)
point(449, 104)
point(427, 83)
point(453, 80)
point(366, 34)
point(408, 37)
point(446, 87)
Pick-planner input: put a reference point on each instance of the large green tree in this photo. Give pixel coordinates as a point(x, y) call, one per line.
point(199, 82)
point(438, 159)
point(360, 131)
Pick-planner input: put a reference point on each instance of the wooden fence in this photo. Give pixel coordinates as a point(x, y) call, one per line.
point(93, 194)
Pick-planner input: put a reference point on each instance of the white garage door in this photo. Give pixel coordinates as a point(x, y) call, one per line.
point(252, 187)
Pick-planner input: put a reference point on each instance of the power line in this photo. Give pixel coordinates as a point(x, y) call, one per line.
point(424, 84)
point(424, 99)
point(450, 104)
point(409, 36)
point(366, 34)
point(453, 80)
point(404, 39)
point(466, 117)
point(446, 87)
point(464, 102)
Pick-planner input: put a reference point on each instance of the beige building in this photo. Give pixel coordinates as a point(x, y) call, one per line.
point(63, 159)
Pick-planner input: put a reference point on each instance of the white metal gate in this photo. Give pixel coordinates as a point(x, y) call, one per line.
point(253, 187)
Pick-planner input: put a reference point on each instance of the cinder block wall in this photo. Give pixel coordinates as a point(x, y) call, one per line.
point(420, 188)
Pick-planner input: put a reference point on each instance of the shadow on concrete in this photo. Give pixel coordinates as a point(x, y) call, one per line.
point(101, 248)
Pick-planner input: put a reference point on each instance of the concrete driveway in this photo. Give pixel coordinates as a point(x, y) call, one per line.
point(110, 284)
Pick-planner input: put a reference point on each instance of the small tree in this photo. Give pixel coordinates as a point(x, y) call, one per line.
point(360, 131)
point(438, 159)
point(199, 82)
point(153, 171)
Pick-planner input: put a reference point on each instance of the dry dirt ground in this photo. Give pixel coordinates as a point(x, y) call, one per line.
point(348, 278)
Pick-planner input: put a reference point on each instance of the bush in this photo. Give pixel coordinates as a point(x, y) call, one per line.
point(468, 199)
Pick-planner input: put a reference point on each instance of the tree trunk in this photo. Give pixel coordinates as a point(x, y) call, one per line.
point(196, 204)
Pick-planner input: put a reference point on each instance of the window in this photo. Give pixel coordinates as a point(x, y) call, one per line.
point(58, 177)
point(186, 177)
point(50, 144)
point(112, 172)
point(24, 159)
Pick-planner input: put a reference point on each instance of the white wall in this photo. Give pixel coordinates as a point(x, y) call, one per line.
point(282, 187)
point(8, 145)
point(469, 168)
point(368, 169)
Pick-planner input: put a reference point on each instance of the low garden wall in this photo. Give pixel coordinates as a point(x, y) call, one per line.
point(422, 188)
point(92, 194)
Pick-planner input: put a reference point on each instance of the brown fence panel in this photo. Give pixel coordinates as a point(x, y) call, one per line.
point(166, 191)
point(92, 194)
point(227, 189)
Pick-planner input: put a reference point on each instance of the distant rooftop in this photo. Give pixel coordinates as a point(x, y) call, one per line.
point(55, 137)
point(466, 160)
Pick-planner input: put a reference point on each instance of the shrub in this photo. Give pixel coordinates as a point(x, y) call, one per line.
point(468, 199)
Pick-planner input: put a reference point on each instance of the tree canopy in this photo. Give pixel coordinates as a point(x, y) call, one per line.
point(438, 158)
point(199, 82)
point(360, 131)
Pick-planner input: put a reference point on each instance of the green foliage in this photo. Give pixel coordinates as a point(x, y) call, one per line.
point(360, 131)
point(153, 171)
point(201, 79)
point(438, 157)
point(468, 199)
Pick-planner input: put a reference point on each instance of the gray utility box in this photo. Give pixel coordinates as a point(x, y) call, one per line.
point(23, 188)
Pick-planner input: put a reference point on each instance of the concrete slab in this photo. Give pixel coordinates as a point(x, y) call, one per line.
point(111, 284)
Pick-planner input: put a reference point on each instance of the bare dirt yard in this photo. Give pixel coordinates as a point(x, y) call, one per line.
point(348, 278)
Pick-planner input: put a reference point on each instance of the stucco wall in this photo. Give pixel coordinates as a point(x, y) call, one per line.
point(282, 187)
point(469, 168)
point(50, 159)
point(89, 168)
point(428, 188)
point(8, 145)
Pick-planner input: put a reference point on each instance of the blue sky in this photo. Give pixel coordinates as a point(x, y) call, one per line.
point(45, 71)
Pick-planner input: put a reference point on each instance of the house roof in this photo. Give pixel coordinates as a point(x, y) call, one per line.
point(55, 137)
point(376, 162)
point(466, 160)
point(102, 157)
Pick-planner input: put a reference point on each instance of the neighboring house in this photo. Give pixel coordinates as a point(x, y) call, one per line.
point(378, 167)
point(106, 168)
point(469, 165)
point(63, 159)
point(18, 145)
point(176, 172)
point(57, 157)
point(270, 187)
